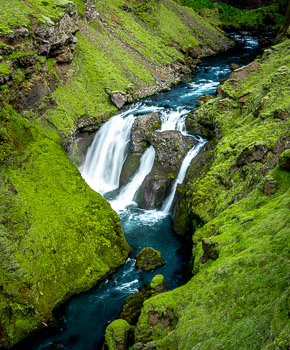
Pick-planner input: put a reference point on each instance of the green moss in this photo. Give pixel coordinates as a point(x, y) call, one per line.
point(4, 69)
point(117, 335)
point(60, 237)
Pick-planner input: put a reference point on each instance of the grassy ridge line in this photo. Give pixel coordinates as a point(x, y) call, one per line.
point(239, 295)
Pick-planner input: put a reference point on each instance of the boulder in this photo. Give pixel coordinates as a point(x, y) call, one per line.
point(134, 303)
point(149, 259)
point(200, 123)
point(203, 99)
point(234, 66)
point(158, 284)
point(284, 160)
point(119, 99)
point(271, 186)
point(252, 153)
point(210, 249)
point(116, 337)
point(138, 144)
point(170, 147)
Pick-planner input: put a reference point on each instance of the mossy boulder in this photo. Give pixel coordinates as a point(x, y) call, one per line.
point(134, 303)
point(284, 160)
point(149, 259)
point(158, 284)
point(210, 249)
point(252, 153)
point(116, 337)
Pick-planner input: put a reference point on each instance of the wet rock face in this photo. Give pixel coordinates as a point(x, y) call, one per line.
point(170, 147)
point(149, 259)
point(138, 144)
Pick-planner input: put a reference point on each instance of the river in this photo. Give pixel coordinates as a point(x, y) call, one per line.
point(83, 318)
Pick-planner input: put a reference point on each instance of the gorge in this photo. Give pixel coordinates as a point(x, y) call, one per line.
point(59, 238)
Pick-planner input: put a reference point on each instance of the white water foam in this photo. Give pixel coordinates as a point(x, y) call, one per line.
point(182, 172)
point(127, 194)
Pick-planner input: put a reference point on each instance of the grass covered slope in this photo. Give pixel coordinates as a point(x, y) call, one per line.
point(239, 207)
point(134, 47)
point(57, 236)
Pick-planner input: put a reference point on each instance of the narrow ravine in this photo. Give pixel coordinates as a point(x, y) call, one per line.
point(86, 316)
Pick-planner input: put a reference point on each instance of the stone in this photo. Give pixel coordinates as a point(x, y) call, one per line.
point(170, 149)
point(210, 248)
point(149, 259)
point(284, 160)
point(271, 186)
point(27, 61)
point(159, 285)
point(242, 73)
point(64, 55)
point(203, 99)
point(234, 66)
point(116, 337)
point(201, 124)
point(138, 144)
point(252, 153)
point(119, 99)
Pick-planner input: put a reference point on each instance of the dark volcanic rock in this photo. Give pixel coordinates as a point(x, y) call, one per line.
point(210, 248)
point(200, 123)
point(252, 153)
point(171, 148)
point(284, 160)
point(149, 259)
point(138, 144)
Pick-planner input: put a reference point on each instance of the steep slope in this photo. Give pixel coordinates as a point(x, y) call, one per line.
point(235, 205)
point(58, 237)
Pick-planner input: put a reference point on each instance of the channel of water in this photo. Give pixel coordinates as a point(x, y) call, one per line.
point(85, 316)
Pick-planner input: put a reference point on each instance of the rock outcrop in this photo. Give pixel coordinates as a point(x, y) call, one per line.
point(149, 259)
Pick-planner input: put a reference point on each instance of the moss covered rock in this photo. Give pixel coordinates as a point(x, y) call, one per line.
point(149, 259)
point(116, 337)
point(284, 160)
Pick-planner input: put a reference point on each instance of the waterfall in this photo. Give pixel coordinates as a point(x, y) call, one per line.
point(173, 120)
point(181, 175)
point(105, 157)
point(127, 194)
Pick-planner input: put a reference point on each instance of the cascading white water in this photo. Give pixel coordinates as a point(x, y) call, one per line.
point(181, 175)
point(127, 194)
point(173, 120)
point(106, 155)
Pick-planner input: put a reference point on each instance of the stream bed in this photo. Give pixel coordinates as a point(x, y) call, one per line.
point(83, 318)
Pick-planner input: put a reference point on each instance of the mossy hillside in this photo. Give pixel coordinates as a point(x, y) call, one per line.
point(19, 13)
point(58, 237)
point(232, 18)
point(262, 118)
point(123, 51)
point(240, 300)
